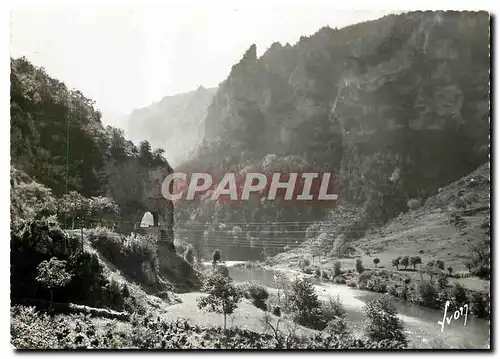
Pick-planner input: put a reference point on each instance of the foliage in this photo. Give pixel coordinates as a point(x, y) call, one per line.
point(304, 303)
point(396, 262)
point(255, 292)
point(381, 321)
point(216, 257)
point(440, 264)
point(427, 294)
point(53, 273)
point(405, 261)
point(459, 295)
point(413, 204)
point(336, 269)
point(376, 261)
point(359, 266)
point(189, 254)
point(414, 260)
point(222, 296)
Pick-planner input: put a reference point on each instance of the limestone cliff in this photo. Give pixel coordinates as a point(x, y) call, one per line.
point(399, 106)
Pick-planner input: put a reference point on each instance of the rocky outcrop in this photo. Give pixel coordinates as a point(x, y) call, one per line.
point(174, 123)
point(137, 189)
point(406, 94)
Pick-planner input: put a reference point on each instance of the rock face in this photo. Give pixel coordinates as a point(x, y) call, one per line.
point(405, 94)
point(174, 123)
point(137, 189)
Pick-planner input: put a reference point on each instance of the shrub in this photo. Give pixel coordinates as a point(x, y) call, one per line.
point(339, 280)
point(376, 261)
point(189, 254)
point(307, 270)
point(359, 266)
point(337, 326)
point(427, 294)
point(381, 321)
point(325, 275)
point(450, 270)
point(459, 295)
point(393, 291)
point(376, 284)
point(336, 269)
point(305, 263)
point(363, 279)
point(52, 274)
point(216, 257)
point(332, 309)
point(257, 293)
point(413, 204)
point(317, 273)
point(125, 291)
point(440, 264)
point(479, 304)
point(351, 283)
point(442, 281)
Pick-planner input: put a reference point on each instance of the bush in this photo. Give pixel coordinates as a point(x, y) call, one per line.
point(427, 294)
point(459, 295)
point(376, 284)
point(332, 309)
point(479, 304)
point(304, 263)
point(307, 270)
point(376, 261)
point(381, 321)
point(363, 279)
point(189, 254)
point(337, 326)
point(317, 273)
point(336, 269)
point(413, 204)
point(442, 281)
point(339, 280)
point(359, 266)
point(351, 283)
point(325, 275)
point(393, 291)
point(440, 264)
point(257, 293)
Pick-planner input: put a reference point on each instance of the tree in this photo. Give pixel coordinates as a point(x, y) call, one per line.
point(396, 262)
point(415, 260)
point(431, 269)
point(222, 296)
point(215, 257)
point(100, 207)
point(189, 254)
point(53, 274)
point(336, 269)
point(376, 261)
point(405, 261)
point(440, 264)
point(73, 205)
point(359, 266)
point(305, 303)
point(283, 284)
point(450, 269)
point(381, 320)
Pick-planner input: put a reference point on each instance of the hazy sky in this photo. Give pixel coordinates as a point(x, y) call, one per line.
point(125, 59)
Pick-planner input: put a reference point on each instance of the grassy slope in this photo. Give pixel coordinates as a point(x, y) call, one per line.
point(426, 232)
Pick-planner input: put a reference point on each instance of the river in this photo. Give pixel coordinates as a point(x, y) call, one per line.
point(421, 324)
